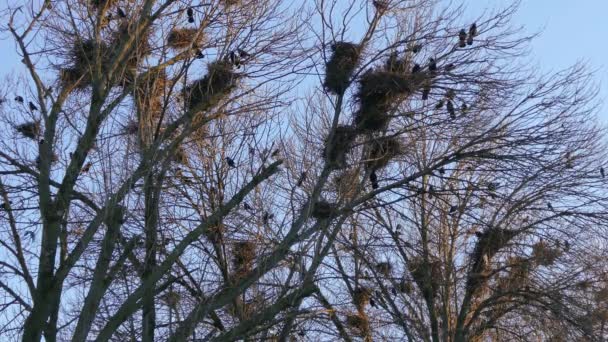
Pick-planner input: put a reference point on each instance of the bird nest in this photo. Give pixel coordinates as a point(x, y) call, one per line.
point(425, 276)
point(384, 268)
point(183, 38)
point(491, 241)
point(382, 152)
point(545, 255)
point(148, 93)
point(82, 58)
point(341, 65)
point(30, 129)
point(322, 210)
point(244, 254)
point(338, 146)
point(180, 156)
point(207, 92)
point(378, 92)
point(215, 233)
point(359, 323)
point(361, 297)
point(347, 183)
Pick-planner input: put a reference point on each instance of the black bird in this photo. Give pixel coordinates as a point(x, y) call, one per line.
point(473, 30)
point(426, 91)
point(230, 162)
point(450, 107)
point(275, 153)
point(439, 104)
point(478, 234)
point(549, 205)
point(602, 172)
point(372, 302)
point(441, 170)
point(191, 20)
point(432, 65)
point(462, 37)
point(246, 206)
point(464, 108)
point(243, 53)
point(373, 178)
point(19, 99)
point(453, 209)
point(394, 291)
point(450, 67)
point(301, 179)
point(234, 59)
point(416, 48)
point(566, 245)
point(121, 13)
point(416, 68)
point(190, 12)
point(470, 40)
point(32, 106)
point(199, 54)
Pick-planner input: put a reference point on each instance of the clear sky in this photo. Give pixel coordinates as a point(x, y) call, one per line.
point(571, 31)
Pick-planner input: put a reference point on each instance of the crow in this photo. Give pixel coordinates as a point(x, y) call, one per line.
point(473, 30)
point(549, 205)
point(450, 108)
point(373, 178)
point(230, 162)
point(32, 106)
point(19, 99)
point(190, 12)
point(121, 13)
point(450, 67)
point(301, 179)
point(439, 104)
point(416, 48)
point(191, 20)
point(246, 206)
point(416, 68)
point(243, 53)
point(432, 65)
point(462, 37)
point(199, 54)
point(470, 40)
point(426, 91)
point(453, 209)
point(602, 172)
point(372, 302)
point(234, 59)
point(441, 170)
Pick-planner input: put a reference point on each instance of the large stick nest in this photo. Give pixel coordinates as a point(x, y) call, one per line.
point(545, 255)
point(149, 93)
point(322, 210)
point(207, 92)
point(182, 38)
point(382, 152)
point(340, 67)
point(347, 183)
point(338, 146)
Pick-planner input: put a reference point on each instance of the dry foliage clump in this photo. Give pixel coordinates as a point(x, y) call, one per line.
point(215, 233)
point(322, 210)
point(545, 255)
point(182, 38)
point(425, 276)
point(338, 146)
point(382, 152)
point(149, 93)
point(181, 156)
point(341, 65)
point(346, 183)
point(219, 82)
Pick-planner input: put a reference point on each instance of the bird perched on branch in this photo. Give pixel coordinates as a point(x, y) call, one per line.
point(462, 38)
point(373, 178)
point(602, 172)
point(32, 106)
point(450, 107)
point(121, 13)
point(190, 13)
point(416, 68)
point(432, 65)
point(230, 162)
point(19, 99)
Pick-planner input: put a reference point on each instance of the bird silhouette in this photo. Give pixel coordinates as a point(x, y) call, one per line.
point(190, 11)
point(373, 178)
point(121, 13)
point(416, 48)
point(246, 206)
point(19, 99)
point(32, 106)
point(243, 53)
point(602, 172)
point(191, 20)
point(426, 91)
point(439, 104)
point(453, 209)
point(301, 179)
point(462, 37)
point(473, 30)
point(450, 108)
point(549, 205)
point(230, 162)
point(372, 302)
point(416, 68)
point(199, 54)
point(432, 65)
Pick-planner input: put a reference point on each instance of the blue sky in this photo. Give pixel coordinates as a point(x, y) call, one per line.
point(571, 31)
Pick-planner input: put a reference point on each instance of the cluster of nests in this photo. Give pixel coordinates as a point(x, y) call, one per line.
point(244, 253)
point(83, 58)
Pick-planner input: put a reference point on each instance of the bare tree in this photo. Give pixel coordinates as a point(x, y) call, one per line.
point(257, 170)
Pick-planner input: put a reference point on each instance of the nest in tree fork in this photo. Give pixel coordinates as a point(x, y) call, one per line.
point(489, 243)
point(207, 92)
point(359, 323)
point(30, 129)
point(149, 92)
point(182, 38)
point(82, 60)
point(341, 65)
point(322, 210)
point(379, 91)
point(361, 297)
point(425, 276)
point(382, 152)
point(545, 255)
point(338, 146)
